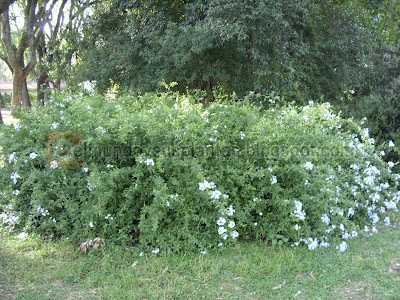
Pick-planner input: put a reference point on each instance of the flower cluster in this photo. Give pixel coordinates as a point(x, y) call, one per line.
point(14, 176)
point(298, 212)
point(45, 213)
point(147, 162)
point(226, 213)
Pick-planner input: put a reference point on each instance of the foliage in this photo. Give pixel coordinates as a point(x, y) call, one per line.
point(301, 47)
point(379, 101)
point(164, 172)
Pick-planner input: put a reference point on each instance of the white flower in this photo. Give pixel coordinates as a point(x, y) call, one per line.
point(306, 182)
point(221, 230)
point(391, 164)
point(341, 226)
point(234, 234)
point(16, 192)
point(149, 162)
point(391, 144)
point(383, 153)
point(324, 244)
point(308, 166)
point(220, 244)
point(354, 233)
point(203, 252)
point(225, 196)
point(22, 236)
point(14, 176)
point(12, 158)
point(325, 219)
point(54, 126)
point(273, 180)
point(101, 129)
point(155, 251)
point(242, 135)
point(374, 230)
point(17, 127)
point(85, 170)
point(342, 247)
point(53, 164)
point(255, 223)
point(33, 155)
point(91, 225)
point(109, 166)
point(174, 197)
point(350, 212)
point(313, 244)
point(225, 236)
point(355, 167)
point(167, 203)
point(345, 235)
point(206, 185)
point(298, 213)
point(374, 218)
point(141, 254)
point(297, 227)
point(231, 224)
point(221, 221)
point(202, 186)
point(215, 194)
point(387, 221)
point(230, 211)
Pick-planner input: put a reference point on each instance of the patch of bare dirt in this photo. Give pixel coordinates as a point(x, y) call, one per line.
point(356, 291)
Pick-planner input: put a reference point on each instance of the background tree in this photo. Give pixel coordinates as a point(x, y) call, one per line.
point(300, 47)
point(34, 14)
point(58, 43)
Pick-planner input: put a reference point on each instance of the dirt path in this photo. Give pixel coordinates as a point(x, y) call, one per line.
point(6, 114)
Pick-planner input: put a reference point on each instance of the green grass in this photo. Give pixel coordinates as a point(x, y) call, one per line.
point(34, 269)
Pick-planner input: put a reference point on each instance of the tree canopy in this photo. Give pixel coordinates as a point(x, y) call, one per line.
point(301, 47)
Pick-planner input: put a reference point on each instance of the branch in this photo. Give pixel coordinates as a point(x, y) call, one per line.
point(58, 23)
point(6, 37)
point(4, 4)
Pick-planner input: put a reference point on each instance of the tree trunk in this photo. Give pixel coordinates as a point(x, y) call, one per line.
point(43, 89)
point(1, 105)
point(20, 97)
point(2, 101)
point(26, 102)
point(210, 96)
point(16, 100)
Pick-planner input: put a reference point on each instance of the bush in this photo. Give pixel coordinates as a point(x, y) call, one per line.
point(379, 100)
point(163, 172)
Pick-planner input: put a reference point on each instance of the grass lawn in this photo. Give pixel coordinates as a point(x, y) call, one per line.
point(369, 269)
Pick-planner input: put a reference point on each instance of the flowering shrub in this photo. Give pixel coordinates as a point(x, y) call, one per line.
point(163, 172)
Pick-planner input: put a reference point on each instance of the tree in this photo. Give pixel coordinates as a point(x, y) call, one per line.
point(4, 4)
point(300, 47)
point(34, 13)
point(58, 43)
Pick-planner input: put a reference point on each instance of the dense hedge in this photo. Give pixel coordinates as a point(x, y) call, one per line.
point(163, 172)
